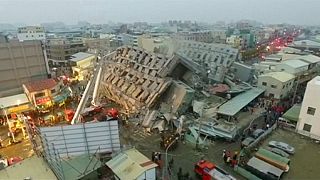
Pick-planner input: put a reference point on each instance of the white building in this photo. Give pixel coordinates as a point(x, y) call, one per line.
point(309, 123)
point(31, 33)
point(82, 64)
point(132, 165)
point(276, 84)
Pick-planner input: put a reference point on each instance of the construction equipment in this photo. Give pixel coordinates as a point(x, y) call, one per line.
point(207, 170)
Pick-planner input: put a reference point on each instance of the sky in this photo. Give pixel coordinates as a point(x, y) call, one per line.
point(32, 12)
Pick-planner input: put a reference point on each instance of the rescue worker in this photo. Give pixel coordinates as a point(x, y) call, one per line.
point(234, 159)
point(228, 154)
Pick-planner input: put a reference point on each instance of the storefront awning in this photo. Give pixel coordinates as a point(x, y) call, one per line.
point(11, 101)
point(62, 96)
point(20, 108)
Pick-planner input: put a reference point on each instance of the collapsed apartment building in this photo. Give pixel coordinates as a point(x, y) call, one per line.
point(134, 78)
point(163, 88)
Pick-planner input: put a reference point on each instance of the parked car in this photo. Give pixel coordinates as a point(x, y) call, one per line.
point(283, 146)
point(257, 133)
point(246, 142)
point(279, 152)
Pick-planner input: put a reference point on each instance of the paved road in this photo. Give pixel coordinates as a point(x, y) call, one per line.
point(22, 149)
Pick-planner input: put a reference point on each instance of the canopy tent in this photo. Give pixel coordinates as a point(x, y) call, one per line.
point(293, 113)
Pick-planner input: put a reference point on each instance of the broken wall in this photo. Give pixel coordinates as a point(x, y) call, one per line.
point(179, 96)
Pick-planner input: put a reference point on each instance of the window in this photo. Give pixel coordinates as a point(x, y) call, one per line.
point(53, 90)
point(307, 127)
point(311, 110)
point(39, 95)
point(264, 84)
point(273, 86)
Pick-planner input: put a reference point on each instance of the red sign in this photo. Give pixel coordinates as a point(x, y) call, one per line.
point(42, 100)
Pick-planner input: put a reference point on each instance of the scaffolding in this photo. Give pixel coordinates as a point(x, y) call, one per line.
point(74, 151)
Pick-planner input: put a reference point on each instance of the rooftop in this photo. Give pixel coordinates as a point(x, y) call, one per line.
point(281, 76)
point(315, 81)
point(234, 105)
point(80, 56)
point(306, 43)
point(10, 101)
point(40, 85)
point(130, 164)
point(310, 58)
point(79, 166)
point(295, 63)
point(33, 167)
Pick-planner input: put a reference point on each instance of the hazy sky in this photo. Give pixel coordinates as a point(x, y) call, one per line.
point(102, 11)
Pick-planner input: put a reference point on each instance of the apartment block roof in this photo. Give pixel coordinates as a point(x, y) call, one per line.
point(10, 101)
point(40, 85)
point(80, 56)
point(281, 76)
point(295, 63)
point(130, 164)
point(306, 43)
point(310, 58)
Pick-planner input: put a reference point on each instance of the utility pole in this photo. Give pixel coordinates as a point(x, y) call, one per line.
point(295, 91)
point(165, 169)
point(199, 129)
point(8, 122)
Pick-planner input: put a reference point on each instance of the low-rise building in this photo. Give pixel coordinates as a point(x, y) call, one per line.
point(129, 39)
point(309, 123)
point(200, 36)
point(46, 93)
point(15, 104)
point(310, 45)
point(100, 44)
point(82, 63)
point(276, 84)
point(131, 164)
point(63, 48)
point(31, 33)
point(234, 40)
point(162, 45)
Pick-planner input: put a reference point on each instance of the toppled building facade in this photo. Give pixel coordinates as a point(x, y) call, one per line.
point(134, 78)
point(212, 59)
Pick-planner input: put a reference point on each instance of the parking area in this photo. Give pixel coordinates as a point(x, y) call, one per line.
point(305, 162)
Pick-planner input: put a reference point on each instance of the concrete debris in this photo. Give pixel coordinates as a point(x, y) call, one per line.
point(192, 137)
point(179, 95)
point(159, 125)
point(149, 118)
point(198, 106)
point(168, 116)
point(218, 129)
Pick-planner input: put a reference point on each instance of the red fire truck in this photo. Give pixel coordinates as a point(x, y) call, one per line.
point(209, 171)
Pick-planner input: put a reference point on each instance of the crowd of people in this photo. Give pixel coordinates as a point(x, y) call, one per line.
point(230, 159)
